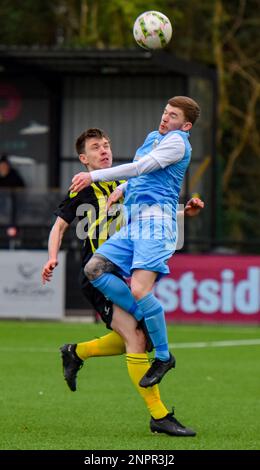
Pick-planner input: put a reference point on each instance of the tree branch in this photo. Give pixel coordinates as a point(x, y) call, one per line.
point(249, 121)
point(237, 23)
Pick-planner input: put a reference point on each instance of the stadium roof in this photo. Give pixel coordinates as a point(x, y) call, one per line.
point(78, 60)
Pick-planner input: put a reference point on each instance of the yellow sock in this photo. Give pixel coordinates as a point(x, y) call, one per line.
point(109, 345)
point(138, 365)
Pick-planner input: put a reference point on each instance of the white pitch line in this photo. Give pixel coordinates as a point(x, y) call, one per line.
point(198, 345)
point(216, 344)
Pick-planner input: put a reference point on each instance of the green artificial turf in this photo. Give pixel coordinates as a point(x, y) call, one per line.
point(215, 390)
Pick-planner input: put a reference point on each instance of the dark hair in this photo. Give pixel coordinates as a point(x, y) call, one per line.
point(4, 158)
point(190, 108)
point(89, 134)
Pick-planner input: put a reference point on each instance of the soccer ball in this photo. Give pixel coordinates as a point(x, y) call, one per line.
point(152, 30)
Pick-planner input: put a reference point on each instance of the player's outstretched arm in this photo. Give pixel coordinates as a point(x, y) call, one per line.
point(170, 151)
point(145, 165)
point(55, 239)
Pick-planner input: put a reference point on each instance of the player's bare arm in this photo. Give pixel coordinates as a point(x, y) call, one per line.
point(55, 239)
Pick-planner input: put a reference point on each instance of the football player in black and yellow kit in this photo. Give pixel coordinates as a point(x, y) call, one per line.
point(90, 206)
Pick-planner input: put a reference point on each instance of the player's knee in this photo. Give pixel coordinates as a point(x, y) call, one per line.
point(97, 266)
point(125, 325)
point(138, 291)
point(90, 270)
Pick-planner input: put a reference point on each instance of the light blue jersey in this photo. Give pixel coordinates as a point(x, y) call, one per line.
point(161, 187)
point(147, 242)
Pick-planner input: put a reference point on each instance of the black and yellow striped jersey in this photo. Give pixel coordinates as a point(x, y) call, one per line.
point(94, 220)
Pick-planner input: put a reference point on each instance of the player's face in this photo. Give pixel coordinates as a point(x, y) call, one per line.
point(4, 169)
point(173, 119)
point(98, 154)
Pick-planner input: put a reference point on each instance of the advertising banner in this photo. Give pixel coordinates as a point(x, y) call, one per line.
point(22, 294)
point(211, 288)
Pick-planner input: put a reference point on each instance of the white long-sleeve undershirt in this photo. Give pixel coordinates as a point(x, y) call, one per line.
point(123, 187)
point(170, 150)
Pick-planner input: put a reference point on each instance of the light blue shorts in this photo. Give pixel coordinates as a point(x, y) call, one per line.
point(144, 244)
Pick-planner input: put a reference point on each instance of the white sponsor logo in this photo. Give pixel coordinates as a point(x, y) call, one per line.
point(164, 223)
point(209, 296)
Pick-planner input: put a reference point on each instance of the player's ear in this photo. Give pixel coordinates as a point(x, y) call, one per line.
point(83, 158)
point(187, 126)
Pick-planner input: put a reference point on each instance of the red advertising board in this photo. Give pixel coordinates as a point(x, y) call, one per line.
point(211, 288)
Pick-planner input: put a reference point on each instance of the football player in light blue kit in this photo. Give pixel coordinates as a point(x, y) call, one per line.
point(143, 246)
